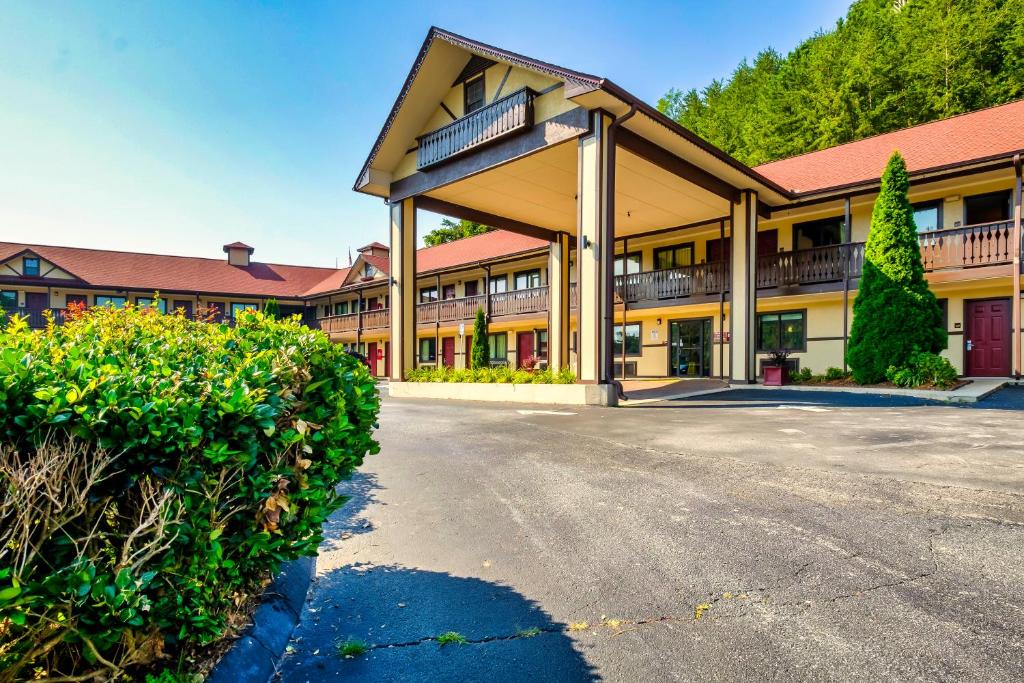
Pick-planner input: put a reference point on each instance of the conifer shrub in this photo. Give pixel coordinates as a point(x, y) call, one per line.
point(168, 467)
point(895, 314)
point(481, 353)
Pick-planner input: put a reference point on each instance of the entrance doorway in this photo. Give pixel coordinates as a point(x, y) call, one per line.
point(987, 338)
point(371, 357)
point(689, 348)
point(524, 347)
point(448, 351)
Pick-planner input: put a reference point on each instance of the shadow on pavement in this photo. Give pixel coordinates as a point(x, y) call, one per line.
point(348, 520)
point(1009, 398)
point(400, 612)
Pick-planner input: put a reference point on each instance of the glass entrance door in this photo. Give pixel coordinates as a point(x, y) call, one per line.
point(689, 352)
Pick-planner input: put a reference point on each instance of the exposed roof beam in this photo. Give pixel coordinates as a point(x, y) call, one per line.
point(466, 213)
point(661, 157)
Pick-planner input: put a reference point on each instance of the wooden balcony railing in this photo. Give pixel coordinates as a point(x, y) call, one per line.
point(810, 266)
point(376, 319)
point(673, 283)
point(339, 323)
point(967, 247)
point(519, 301)
point(450, 310)
point(36, 318)
point(507, 116)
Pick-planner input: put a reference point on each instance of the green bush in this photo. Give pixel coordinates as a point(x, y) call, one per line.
point(480, 354)
point(802, 376)
point(923, 369)
point(499, 374)
point(833, 374)
point(170, 467)
point(894, 313)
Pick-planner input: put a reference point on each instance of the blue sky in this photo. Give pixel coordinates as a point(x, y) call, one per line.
point(177, 127)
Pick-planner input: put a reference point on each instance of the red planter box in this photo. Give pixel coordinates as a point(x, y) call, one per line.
point(775, 375)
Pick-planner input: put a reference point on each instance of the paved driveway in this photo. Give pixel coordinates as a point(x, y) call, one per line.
point(737, 536)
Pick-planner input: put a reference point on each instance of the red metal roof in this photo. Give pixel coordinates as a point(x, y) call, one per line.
point(372, 245)
point(152, 272)
point(989, 133)
point(468, 250)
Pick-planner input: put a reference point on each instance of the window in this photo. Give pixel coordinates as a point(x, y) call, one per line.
point(928, 216)
point(716, 252)
point(428, 294)
point(499, 284)
point(673, 257)
point(627, 263)
point(147, 301)
point(542, 344)
point(632, 340)
point(786, 330)
point(474, 91)
point(498, 345)
point(428, 350)
point(237, 309)
point(369, 271)
point(527, 279)
point(448, 292)
point(30, 266)
point(115, 301)
point(987, 208)
point(341, 308)
point(472, 288)
point(944, 307)
point(824, 233)
point(8, 299)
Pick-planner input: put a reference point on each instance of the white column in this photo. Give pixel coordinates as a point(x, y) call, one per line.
point(403, 287)
point(558, 303)
point(743, 292)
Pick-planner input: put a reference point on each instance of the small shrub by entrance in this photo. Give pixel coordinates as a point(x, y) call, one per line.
point(156, 471)
point(501, 374)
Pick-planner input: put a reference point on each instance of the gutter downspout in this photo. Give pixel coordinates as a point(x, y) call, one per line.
point(438, 361)
point(1016, 300)
point(847, 239)
point(625, 306)
point(609, 274)
point(726, 259)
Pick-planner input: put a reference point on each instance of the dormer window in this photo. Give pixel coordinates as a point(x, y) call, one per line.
point(30, 266)
point(369, 271)
point(474, 92)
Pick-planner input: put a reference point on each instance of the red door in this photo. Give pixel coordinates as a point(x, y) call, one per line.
point(448, 351)
point(988, 338)
point(767, 242)
point(371, 355)
point(37, 301)
point(468, 359)
point(524, 347)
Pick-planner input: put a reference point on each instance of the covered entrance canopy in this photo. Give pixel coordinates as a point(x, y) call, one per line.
point(561, 155)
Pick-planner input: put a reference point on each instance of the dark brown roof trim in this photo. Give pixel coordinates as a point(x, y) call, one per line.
point(53, 283)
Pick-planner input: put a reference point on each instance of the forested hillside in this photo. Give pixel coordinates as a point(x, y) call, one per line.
point(887, 64)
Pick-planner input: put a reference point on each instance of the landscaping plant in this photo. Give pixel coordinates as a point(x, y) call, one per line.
point(481, 353)
point(156, 471)
point(895, 314)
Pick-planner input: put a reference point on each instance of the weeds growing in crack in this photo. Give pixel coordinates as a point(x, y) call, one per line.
point(528, 632)
point(353, 648)
point(451, 638)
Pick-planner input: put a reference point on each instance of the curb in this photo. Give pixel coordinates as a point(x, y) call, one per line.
point(955, 396)
point(255, 655)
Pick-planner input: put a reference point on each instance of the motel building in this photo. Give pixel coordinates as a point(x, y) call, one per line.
point(626, 246)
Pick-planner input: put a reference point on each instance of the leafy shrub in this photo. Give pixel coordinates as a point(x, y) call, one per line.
point(499, 374)
point(172, 465)
point(802, 376)
point(894, 313)
point(923, 370)
point(833, 374)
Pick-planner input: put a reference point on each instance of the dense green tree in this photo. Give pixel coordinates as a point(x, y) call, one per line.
point(481, 353)
point(895, 314)
point(453, 230)
point(887, 64)
point(271, 309)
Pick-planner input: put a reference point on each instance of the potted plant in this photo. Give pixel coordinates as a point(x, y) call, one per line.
point(775, 369)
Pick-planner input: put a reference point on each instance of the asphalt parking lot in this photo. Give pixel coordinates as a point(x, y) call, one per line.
point(734, 536)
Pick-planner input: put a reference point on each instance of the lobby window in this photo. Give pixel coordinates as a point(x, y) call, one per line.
point(497, 343)
point(8, 299)
point(340, 308)
point(673, 257)
point(987, 208)
point(237, 309)
point(499, 284)
point(632, 339)
point(474, 92)
point(428, 294)
point(527, 279)
point(30, 266)
point(928, 216)
point(627, 263)
point(824, 233)
point(786, 330)
point(148, 301)
point(428, 350)
point(542, 344)
point(115, 301)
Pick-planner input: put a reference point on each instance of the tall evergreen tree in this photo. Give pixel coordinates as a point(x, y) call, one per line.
point(481, 353)
point(895, 313)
